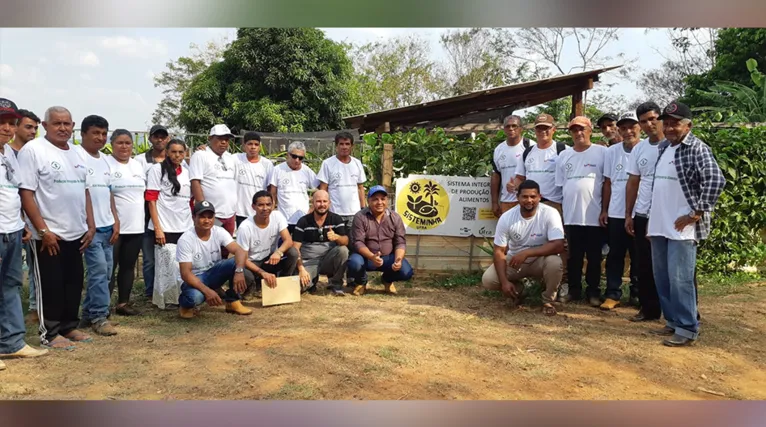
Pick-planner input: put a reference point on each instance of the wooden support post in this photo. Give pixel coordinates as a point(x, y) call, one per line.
point(384, 128)
point(577, 107)
point(388, 166)
point(470, 254)
point(417, 253)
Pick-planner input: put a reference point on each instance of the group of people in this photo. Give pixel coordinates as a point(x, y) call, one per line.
point(83, 217)
point(651, 198)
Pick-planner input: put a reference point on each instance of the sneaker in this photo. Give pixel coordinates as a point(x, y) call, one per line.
point(26, 352)
point(609, 304)
point(338, 292)
point(104, 328)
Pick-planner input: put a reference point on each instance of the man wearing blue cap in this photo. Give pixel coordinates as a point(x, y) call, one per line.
point(379, 244)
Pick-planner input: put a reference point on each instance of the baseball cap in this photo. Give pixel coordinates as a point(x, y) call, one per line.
point(676, 110)
point(8, 108)
point(629, 116)
point(221, 130)
point(157, 128)
point(544, 119)
point(203, 206)
point(607, 116)
point(377, 189)
point(580, 121)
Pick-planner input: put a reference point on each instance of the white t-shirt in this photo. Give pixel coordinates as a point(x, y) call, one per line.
point(217, 176)
point(615, 169)
point(59, 179)
point(174, 212)
point(261, 242)
point(581, 176)
point(343, 181)
point(128, 186)
point(506, 160)
point(643, 160)
point(100, 176)
point(202, 254)
point(292, 190)
point(10, 208)
point(251, 178)
point(540, 167)
point(519, 233)
point(668, 201)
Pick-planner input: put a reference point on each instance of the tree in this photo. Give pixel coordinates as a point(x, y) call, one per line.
point(738, 102)
point(175, 80)
point(480, 58)
point(273, 80)
point(396, 73)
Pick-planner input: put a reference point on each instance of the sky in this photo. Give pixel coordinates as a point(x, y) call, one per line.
point(109, 72)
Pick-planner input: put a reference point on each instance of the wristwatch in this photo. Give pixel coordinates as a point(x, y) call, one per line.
point(239, 270)
point(693, 215)
point(42, 231)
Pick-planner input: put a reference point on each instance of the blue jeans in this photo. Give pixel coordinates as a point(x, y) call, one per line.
point(358, 267)
point(31, 278)
point(12, 329)
point(214, 278)
point(147, 251)
point(673, 264)
point(99, 261)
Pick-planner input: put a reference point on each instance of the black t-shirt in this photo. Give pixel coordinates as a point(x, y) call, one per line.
point(307, 230)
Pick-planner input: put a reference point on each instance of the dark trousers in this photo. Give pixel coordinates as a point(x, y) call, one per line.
point(584, 241)
point(240, 220)
point(620, 242)
point(287, 267)
point(61, 283)
point(647, 290)
point(125, 256)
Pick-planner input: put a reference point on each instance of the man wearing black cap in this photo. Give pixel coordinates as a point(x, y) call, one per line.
point(12, 234)
point(204, 270)
point(608, 126)
point(158, 136)
point(687, 184)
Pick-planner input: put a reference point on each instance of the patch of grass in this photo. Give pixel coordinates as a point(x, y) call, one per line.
point(294, 391)
point(492, 294)
point(724, 284)
point(457, 280)
point(391, 354)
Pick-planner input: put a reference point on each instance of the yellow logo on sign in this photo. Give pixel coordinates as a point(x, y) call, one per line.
point(423, 204)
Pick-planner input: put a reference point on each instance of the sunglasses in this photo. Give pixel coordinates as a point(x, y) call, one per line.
point(8, 169)
point(223, 164)
point(297, 157)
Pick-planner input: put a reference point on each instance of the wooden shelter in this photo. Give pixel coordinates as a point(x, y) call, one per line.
point(480, 106)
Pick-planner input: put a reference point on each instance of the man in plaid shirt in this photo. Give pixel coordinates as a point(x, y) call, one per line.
point(687, 184)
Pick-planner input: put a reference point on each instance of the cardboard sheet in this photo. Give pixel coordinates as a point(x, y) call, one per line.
point(288, 291)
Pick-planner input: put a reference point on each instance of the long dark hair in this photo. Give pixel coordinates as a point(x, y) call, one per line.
point(169, 168)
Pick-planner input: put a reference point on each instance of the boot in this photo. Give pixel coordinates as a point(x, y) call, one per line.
point(236, 307)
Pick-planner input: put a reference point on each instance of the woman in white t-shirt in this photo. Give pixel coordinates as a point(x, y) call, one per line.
point(128, 186)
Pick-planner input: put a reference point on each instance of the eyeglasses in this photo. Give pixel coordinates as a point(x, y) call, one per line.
point(297, 157)
point(223, 164)
point(8, 169)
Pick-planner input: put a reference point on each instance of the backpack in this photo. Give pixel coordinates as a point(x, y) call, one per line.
point(560, 146)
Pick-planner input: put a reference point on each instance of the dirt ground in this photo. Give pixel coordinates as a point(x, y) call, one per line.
point(428, 342)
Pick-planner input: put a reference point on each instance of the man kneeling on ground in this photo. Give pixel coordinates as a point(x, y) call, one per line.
point(259, 236)
point(321, 237)
point(534, 237)
point(203, 271)
point(378, 236)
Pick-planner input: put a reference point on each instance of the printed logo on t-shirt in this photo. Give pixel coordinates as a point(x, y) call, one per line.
point(501, 158)
point(118, 175)
point(569, 166)
point(516, 235)
point(589, 165)
point(91, 171)
point(242, 172)
point(530, 160)
point(197, 256)
point(137, 176)
point(551, 160)
point(619, 167)
point(336, 176)
point(533, 235)
point(643, 162)
point(285, 181)
point(55, 165)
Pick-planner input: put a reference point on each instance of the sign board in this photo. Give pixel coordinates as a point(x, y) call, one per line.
point(288, 291)
point(438, 205)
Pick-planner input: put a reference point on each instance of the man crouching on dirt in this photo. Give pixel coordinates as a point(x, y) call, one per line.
point(203, 271)
point(534, 237)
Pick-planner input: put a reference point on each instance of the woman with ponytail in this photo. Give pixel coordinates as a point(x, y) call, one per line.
point(128, 186)
point(168, 191)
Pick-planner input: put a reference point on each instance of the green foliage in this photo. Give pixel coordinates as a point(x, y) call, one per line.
point(307, 89)
point(737, 102)
point(457, 280)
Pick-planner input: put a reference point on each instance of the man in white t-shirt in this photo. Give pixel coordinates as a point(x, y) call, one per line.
point(203, 269)
point(620, 242)
point(12, 236)
point(213, 177)
point(580, 174)
point(533, 237)
point(343, 177)
point(638, 198)
point(538, 163)
point(687, 185)
point(253, 172)
point(505, 158)
point(607, 124)
point(290, 182)
point(261, 235)
point(99, 256)
point(56, 200)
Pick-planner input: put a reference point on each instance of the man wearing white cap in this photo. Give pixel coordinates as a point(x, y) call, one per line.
point(613, 212)
point(213, 177)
